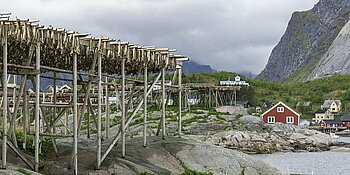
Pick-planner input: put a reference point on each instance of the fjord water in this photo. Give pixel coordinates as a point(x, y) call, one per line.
point(317, 163)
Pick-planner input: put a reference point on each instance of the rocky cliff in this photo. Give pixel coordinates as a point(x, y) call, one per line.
point(337, 58)
point(308, 37)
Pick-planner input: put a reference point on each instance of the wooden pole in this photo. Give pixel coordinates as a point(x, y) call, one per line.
point(37, 106)
point(209, 97)
point(75, 114)
point(99, 98)
point(163, 103)
point(66, 123)
point(54, 109)
point(107, 109)
point(180, 100)
point(123, 106)
point(88, 122)
point(15, 107)
point(145, 105)
point(4, 107)
point(235, 97)
point(25, 119)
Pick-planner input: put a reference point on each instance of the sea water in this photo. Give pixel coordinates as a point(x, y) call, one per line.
point(317, 163)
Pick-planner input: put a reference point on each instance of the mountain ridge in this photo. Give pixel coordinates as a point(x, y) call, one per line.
point(192, 67)
point(307, 38)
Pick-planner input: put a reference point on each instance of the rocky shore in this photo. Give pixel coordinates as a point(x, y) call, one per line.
point(252, 135)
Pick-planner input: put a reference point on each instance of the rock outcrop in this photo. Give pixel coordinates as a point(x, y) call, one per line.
point(174, 155)
point(256, 137)
point(337, 58)
point(233, 110)
point(308, 37)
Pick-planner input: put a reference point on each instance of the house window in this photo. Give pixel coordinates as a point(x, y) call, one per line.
point(271, 119)
point(290, 119)
point(280, 109)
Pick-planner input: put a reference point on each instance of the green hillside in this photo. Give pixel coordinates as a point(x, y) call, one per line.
point(316, 91)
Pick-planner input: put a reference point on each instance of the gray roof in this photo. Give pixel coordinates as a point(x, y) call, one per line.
point(333, 122)
point(321, 111)
point(305, 104)
point(242, 102)
point(327, 103)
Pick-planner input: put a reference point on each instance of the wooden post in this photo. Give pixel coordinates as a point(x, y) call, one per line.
point(88, 121)
point(180, 100)
point(99, 98)
point(37, 107)
point(75, 114)
point(54, 109)
point(163, 103)
point(235, 97)
point(209, 97)
point(145, 103)
point(66, 123)
point(25, 119)
point(107, 109)
point(4, 103)
point(14, 116)
point(123, 106)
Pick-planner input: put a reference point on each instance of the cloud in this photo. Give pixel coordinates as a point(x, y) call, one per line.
point(231, 35)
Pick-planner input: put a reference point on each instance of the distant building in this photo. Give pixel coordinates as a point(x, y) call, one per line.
point(304, 105)
point(281, 113)
point(331, 124)
point(258, 109)
point(245, 104)
point(234, 81)
point(59, 89)
point(340, 124)
point(322, 114)
point(268, 105)
point(346, 120)
point(333, 106)
point(30, 91)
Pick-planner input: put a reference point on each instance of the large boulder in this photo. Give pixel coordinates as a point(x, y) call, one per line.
point(233, 110)
point(249, 119)
point(174, 155)
point(206, 158)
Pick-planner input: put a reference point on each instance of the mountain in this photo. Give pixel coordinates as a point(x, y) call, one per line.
point(247, 74)
point(337, 58)
point(308, 37)
point(191, 67)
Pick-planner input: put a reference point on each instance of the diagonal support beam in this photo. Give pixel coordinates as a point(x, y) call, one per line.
point(87, 92)
point(20, 93)
point(117, 137)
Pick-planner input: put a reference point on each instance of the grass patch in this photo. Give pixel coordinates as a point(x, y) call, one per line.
point(193, 172)
point(193, 119)
point(24, 171)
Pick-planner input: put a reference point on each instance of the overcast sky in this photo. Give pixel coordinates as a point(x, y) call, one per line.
point(230, 35)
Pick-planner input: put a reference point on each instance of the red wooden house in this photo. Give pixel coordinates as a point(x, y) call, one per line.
point(331, 124)
point(281, 113)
